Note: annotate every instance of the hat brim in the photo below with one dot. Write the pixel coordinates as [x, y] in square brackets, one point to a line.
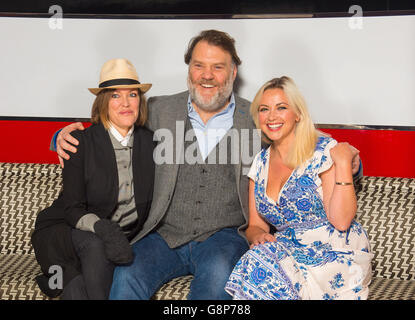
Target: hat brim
[144, 87]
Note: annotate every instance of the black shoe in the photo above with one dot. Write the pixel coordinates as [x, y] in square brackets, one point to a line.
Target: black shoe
[43, 283]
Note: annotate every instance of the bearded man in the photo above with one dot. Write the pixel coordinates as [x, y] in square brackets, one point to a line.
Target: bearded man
[199, 210]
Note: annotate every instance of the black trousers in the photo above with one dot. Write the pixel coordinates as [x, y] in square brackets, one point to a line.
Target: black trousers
[94, 283]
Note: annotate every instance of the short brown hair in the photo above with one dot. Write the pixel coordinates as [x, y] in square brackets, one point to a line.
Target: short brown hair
[216, 38]
[99, 113]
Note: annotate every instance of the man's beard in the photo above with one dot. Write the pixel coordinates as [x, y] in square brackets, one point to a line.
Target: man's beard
[215, 102]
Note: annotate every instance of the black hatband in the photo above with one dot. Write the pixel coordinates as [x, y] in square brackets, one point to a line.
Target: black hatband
[117, 82]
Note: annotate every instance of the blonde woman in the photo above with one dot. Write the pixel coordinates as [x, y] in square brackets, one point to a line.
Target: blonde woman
[302, 186]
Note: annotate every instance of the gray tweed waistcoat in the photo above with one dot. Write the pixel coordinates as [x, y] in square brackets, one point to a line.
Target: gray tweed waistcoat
[205, 199]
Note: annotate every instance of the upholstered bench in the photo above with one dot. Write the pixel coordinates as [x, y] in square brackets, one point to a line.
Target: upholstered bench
[386, 209]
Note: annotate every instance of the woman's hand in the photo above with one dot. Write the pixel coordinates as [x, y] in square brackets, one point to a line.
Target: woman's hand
[261, 238]
[116, 246]
[343, 154]
[258, 230]
[339, 196]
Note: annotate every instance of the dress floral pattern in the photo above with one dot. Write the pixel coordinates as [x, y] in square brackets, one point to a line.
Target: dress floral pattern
[310, 259]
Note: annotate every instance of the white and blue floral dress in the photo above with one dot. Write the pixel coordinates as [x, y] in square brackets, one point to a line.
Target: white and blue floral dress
[310, 259]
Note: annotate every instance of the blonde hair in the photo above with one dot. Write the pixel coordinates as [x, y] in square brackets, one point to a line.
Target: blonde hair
[99, 112]
[306, 134]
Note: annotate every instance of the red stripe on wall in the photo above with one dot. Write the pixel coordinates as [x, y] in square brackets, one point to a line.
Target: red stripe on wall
[386, 153]
[28, 141]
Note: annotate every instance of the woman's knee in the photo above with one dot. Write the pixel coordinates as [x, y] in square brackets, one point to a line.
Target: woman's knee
[88, 245]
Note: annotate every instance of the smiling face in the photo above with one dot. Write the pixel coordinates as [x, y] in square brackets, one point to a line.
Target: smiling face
[123, 108]
[276, 117]
[211, 76]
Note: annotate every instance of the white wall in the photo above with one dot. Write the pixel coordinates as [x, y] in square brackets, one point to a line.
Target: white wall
[348, 76]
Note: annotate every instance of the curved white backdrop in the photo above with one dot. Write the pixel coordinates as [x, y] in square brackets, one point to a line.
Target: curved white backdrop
[348, 76]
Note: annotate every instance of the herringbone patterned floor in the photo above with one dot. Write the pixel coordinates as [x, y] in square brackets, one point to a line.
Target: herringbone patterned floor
[386, 210]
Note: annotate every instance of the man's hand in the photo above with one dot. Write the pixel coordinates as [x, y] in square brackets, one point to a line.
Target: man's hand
[355, 160]
[64, 137]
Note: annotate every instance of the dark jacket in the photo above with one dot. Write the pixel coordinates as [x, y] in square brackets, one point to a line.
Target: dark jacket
[90, 185]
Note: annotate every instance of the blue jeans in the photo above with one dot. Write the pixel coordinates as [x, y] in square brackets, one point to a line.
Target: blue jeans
[210, 261]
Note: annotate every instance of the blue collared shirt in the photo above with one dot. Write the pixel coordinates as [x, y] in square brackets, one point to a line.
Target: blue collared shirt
[209, 135]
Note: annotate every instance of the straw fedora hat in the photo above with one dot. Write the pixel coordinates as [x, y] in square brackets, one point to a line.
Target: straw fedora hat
[119, 74]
